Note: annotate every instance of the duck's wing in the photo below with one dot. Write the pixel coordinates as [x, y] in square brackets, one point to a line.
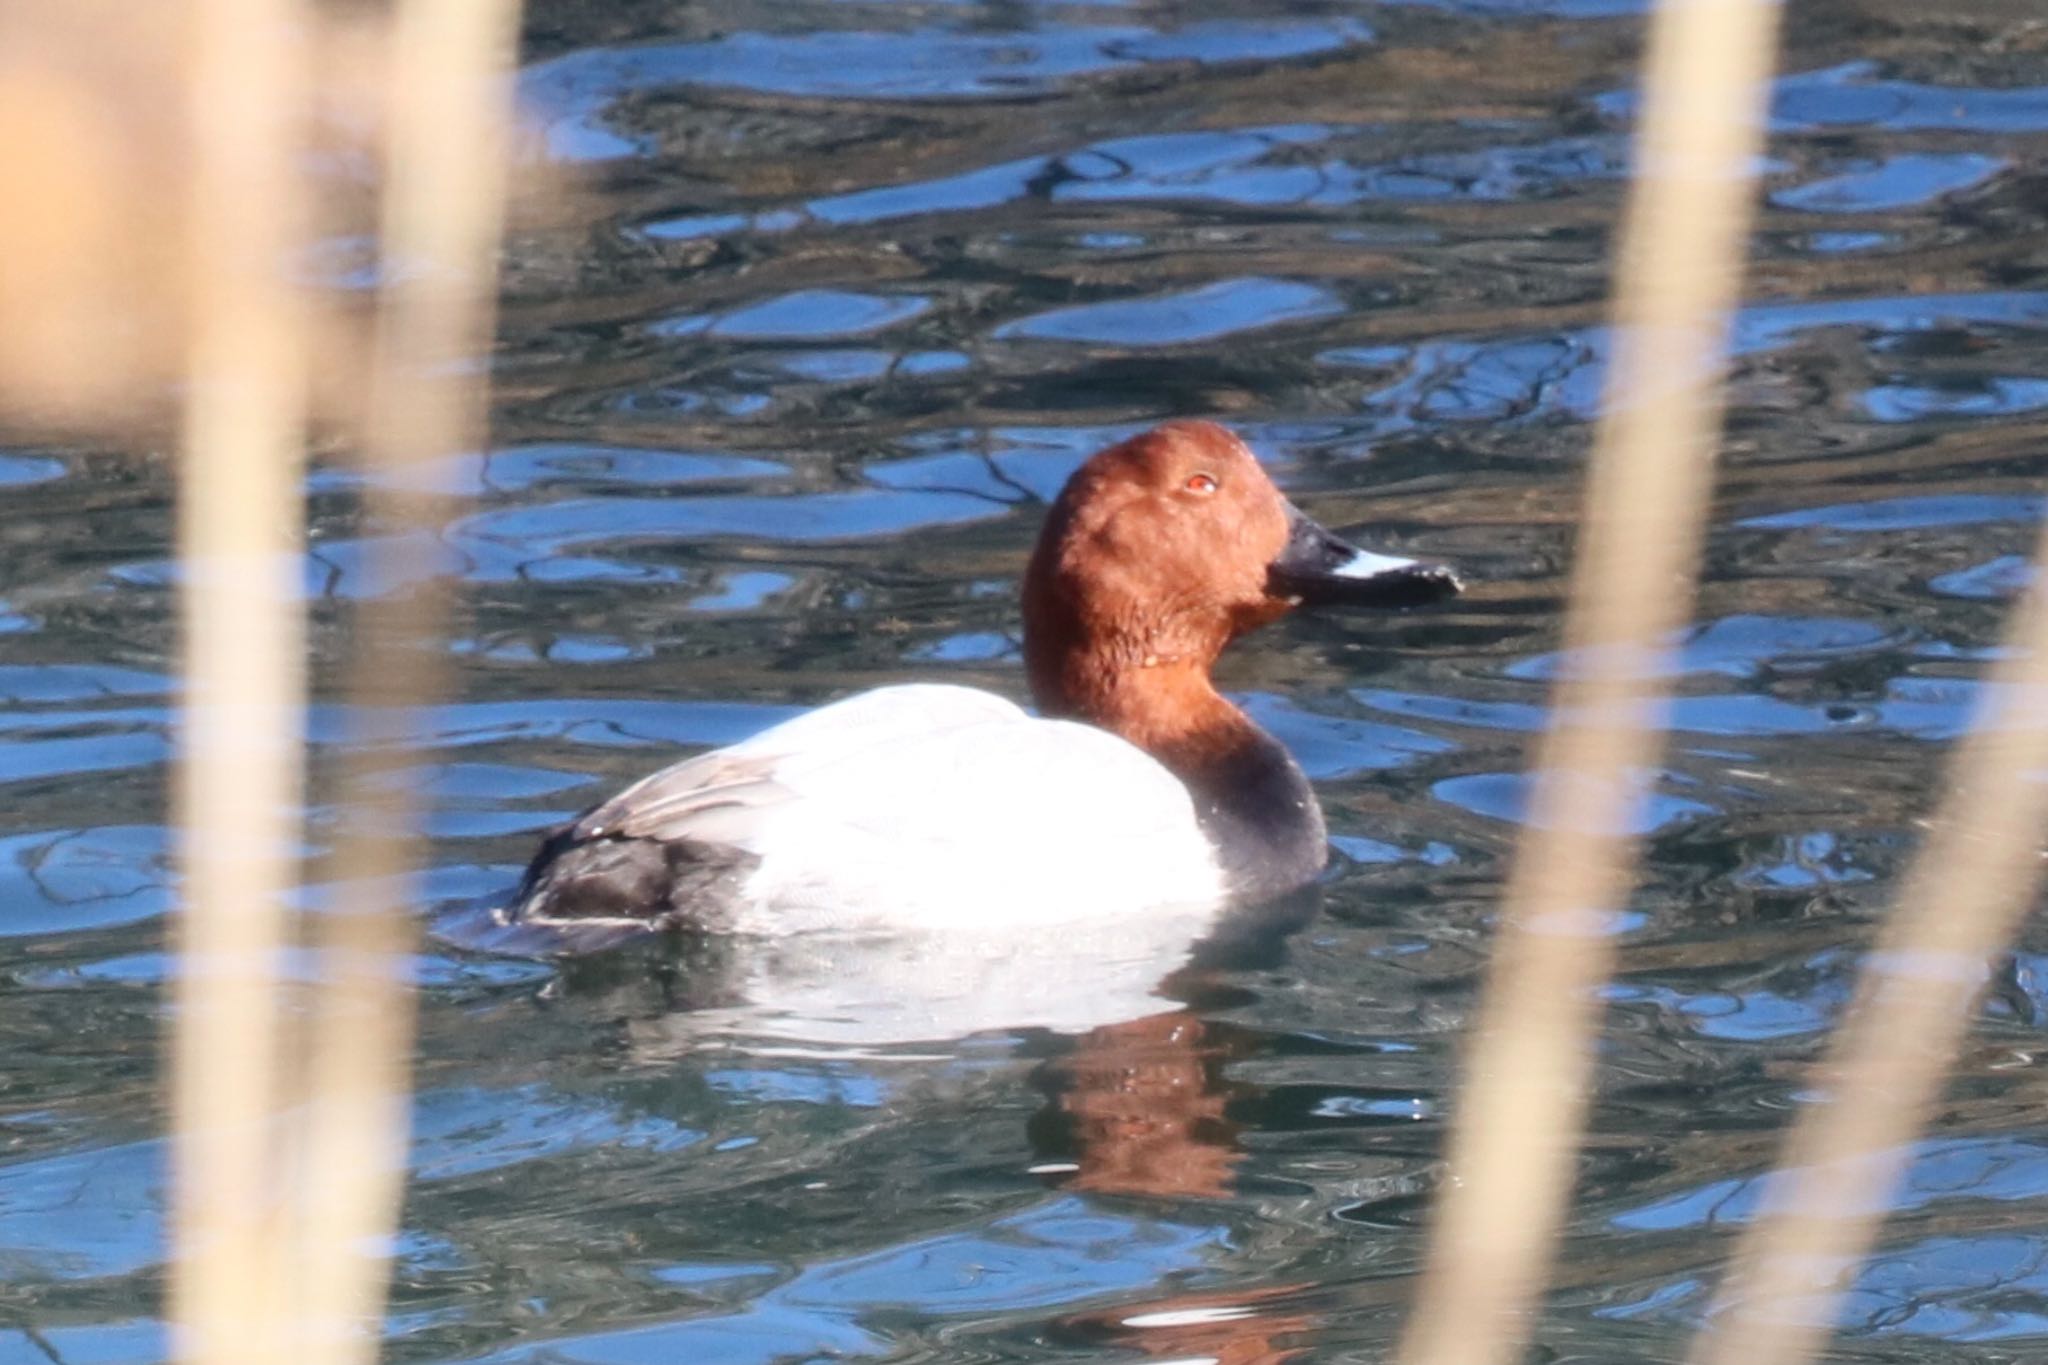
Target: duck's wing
[671, 805]
[705, 799]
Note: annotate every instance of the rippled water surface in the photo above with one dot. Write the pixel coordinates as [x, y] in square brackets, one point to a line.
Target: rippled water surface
[846, 292]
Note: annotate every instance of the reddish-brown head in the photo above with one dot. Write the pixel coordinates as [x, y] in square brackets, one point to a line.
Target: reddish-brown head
[1158, 552]
[1155, 553]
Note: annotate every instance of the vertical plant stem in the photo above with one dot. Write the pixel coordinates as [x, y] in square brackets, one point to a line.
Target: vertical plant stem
[445, 160]
[1528, 1068]
[239, 771]
[1960, 902]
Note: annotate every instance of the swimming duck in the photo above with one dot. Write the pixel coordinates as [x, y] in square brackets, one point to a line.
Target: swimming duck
[1137, 788]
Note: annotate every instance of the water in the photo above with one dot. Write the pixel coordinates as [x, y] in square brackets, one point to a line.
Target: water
[847, 292]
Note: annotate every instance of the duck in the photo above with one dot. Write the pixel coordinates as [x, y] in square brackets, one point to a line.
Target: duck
[1137, 788]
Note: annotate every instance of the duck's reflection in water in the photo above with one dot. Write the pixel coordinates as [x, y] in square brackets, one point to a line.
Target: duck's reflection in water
[847, 994]
[1124, 1040]
[1250, 1327]
[1141, 1107]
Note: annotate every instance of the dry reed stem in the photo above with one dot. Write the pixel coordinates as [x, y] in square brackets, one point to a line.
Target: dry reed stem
[1528, 1070]
[239, 772]
[1961, 901]
[447, 119]
[94, 306]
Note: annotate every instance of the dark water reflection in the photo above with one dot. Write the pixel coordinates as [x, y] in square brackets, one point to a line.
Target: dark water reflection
[849, 293]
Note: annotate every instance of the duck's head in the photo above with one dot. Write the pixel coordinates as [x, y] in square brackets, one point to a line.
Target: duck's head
[1163, 548]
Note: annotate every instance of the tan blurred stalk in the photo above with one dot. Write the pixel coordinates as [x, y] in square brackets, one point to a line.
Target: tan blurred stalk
[1960, 902]
[446, 139]
[288, 1124]
[1515, 1137]
[94, 307]
[239, 771]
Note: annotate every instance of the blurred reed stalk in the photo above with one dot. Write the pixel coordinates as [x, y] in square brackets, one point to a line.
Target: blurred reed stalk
[282, 1222]
[1528, 1070]
[446, 139]
[239, 774]
[1960, 902]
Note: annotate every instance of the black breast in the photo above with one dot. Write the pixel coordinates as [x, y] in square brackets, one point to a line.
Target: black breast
[1257, 807]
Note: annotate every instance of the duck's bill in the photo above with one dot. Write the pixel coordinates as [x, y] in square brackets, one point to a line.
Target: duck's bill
[1319, 569]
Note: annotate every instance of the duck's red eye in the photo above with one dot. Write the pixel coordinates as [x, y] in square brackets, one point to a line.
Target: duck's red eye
[1200, 483]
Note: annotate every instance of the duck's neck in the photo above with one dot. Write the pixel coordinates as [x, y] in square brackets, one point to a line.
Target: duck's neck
[1253, 800]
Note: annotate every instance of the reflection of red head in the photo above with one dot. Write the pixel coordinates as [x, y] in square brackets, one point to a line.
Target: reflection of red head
[1146, 1103]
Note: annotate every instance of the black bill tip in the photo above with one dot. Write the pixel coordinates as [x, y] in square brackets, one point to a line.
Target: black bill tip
[1320, 569]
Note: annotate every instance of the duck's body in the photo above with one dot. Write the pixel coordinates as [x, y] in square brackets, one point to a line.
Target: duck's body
[927, 807]
[904, 807]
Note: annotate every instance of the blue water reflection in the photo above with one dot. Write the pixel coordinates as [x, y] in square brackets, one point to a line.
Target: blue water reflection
[1973, 397]
[1848, 96]
[1894, 183]
[1207, 314]
[62, 881]
[1525, 377]
[1907, 513]
[19, 470]
[572, 92]
[804, 315]
[1060, 1253]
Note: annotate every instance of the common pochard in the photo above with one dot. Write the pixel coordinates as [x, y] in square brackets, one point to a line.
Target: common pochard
[928, 806]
